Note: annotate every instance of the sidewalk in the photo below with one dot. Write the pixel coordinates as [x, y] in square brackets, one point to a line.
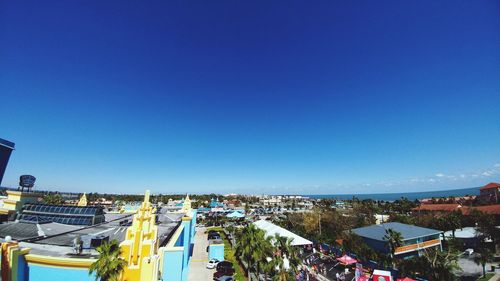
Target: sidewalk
[198, 264]
[495, 277]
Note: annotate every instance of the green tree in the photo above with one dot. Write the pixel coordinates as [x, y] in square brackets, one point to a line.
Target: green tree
[263, 250]
[487, 227]
[285, 250]
[53, 199]
[231, 229]
[394, 240]
[109, 265]
[438, 265]
[454, 221]
[483, 256]
[433, 265]
[247, 243]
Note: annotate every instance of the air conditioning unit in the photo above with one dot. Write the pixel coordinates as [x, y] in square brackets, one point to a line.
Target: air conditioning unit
[98, 240]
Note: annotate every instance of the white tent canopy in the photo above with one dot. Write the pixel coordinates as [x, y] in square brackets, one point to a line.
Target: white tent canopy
[235, 214]
[271, 229]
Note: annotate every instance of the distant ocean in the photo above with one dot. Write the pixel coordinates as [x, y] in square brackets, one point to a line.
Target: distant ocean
[396, 196]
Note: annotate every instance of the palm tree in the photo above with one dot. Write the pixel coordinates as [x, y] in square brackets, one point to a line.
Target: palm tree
[247, 243]
[268, 267]
[285, 250]
[230, 229]
[438, 265]
[109, 265]
[394, 240]
[263, 250]
[454, 221]
[484, 255]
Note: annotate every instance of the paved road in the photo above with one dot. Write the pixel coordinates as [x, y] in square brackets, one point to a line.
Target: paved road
[198, 265]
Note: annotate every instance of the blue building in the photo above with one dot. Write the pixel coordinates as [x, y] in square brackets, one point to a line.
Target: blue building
[6, 148]
[156, 246]
[415, 238]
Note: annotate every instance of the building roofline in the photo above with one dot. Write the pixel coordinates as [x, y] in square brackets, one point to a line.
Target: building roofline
[7, 143]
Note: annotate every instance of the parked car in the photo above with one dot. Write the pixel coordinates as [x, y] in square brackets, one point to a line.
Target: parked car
[225, 278]
[213, 235]
[212, 263]
[220, 274]
[225, 266]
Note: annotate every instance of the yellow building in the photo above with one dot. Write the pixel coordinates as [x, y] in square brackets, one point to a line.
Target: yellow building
[153, 250]
[83, 201]
[141, 245]
[15, 201]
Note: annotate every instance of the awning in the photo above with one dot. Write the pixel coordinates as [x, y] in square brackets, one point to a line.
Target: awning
[235, 215]
[271, 229]
[346, 260]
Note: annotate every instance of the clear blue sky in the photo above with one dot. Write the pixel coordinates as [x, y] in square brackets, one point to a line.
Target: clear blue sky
[251, 96]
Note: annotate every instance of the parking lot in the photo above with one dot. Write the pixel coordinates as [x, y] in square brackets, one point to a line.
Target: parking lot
[198, 265]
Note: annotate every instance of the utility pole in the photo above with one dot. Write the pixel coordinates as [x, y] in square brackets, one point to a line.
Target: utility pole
[319, 223]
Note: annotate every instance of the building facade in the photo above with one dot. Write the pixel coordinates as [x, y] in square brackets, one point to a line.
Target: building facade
[490, 193]
[6, 148]
[152, 250]
[415, 238]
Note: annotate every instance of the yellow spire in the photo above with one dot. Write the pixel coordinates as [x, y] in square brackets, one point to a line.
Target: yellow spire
[146, 197]
[186, 206]
[140, 244]
[83, 201]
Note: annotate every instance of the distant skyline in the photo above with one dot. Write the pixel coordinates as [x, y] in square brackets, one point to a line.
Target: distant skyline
[281, 97]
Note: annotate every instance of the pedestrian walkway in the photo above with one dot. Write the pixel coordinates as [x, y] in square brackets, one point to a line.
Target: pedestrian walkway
[495, 277]
[198, 264]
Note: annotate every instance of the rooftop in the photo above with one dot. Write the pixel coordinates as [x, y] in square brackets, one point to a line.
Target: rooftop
[438, 207]
[489, 209]
[377, 231]
[55, 239]
[490, 185]
[271, 229]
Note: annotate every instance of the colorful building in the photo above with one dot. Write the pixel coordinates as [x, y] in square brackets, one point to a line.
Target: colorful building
[15, 202]
[415, 238]
[154, 249]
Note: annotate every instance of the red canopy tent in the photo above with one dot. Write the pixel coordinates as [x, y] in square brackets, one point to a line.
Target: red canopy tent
[346, 260]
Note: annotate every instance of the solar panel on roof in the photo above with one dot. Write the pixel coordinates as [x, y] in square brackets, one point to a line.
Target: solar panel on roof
[63, 214]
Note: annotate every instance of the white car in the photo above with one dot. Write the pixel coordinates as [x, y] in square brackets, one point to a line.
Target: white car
[212, 263]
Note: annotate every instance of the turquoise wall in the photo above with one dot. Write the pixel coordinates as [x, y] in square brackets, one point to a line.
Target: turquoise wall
[216, 252]
[187, 249]
[176, 262]
[193, 224]
[45, 273]
[172, 266]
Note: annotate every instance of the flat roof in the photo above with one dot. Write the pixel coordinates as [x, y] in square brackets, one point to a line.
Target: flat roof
[408, 231]
[56, 240]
